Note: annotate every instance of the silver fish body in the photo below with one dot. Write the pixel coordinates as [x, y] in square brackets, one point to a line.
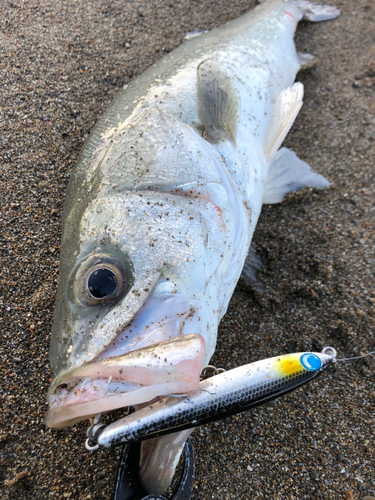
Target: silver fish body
[159, 217]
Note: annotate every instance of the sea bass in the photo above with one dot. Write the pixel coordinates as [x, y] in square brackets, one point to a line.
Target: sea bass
[159, 217]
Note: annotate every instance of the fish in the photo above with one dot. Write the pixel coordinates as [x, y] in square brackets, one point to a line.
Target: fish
[220, 396]
[159, 217]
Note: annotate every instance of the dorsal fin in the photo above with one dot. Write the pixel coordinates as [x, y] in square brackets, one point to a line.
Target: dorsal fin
[219, 101]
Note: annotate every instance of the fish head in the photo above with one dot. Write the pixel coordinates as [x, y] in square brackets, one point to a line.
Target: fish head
[138, 301]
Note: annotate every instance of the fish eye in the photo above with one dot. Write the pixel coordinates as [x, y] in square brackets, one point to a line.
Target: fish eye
[101, 279]
[102, 283]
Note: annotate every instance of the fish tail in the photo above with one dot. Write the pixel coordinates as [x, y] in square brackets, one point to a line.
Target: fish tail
[312, 11]
[315, 11]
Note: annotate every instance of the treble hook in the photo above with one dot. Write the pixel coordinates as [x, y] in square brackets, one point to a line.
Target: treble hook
[92, 432]
[215, 370]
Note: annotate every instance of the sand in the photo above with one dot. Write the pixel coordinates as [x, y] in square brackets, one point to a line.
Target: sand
[61, 63]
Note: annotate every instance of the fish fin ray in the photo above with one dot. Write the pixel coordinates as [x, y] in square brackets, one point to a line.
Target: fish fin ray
[285, 112]
[288, 173]
[219, 101]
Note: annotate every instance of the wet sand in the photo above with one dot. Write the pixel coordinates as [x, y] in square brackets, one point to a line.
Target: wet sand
[61, 63]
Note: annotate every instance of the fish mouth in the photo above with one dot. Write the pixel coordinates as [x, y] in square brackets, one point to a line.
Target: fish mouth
[167, 368]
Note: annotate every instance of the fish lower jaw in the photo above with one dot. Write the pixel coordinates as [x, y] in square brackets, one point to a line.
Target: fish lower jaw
[88, 398]
[163, 369]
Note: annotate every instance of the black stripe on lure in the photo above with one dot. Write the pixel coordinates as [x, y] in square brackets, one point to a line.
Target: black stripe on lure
[217, 397]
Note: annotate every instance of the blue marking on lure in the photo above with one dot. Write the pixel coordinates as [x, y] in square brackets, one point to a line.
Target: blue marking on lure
[310, 361]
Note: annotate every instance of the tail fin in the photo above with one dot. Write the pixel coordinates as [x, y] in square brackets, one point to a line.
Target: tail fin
[315, 11]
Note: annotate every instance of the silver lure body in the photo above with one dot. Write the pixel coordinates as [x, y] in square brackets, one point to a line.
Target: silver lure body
[225, 394]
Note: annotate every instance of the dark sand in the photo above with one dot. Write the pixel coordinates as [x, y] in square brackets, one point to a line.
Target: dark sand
[61, 62]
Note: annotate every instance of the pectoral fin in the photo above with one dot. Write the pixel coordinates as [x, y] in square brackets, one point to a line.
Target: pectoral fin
[288, 173]
[285, 111]
[219, 101]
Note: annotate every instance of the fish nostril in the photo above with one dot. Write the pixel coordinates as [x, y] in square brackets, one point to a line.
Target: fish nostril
[102, 283]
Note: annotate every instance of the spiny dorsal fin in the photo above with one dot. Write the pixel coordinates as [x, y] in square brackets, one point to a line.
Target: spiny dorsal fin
[285, 111]
[219, 101]
[288, 173]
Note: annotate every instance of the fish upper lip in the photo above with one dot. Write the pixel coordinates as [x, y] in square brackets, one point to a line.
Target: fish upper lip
[157, 357]
[161, 369]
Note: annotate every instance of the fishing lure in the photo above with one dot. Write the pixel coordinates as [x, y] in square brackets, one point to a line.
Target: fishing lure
[217, 397]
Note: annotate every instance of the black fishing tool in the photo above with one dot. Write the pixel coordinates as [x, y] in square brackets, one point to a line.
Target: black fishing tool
[128, 486]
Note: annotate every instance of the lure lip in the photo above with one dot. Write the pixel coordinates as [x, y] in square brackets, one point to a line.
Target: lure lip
[138, 426]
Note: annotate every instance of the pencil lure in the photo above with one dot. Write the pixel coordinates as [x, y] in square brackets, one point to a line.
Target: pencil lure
[220, 396]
